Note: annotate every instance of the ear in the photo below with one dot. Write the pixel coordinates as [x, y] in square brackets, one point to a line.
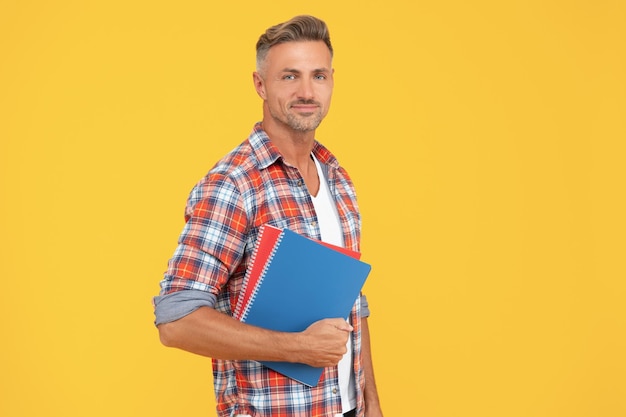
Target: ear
[259, 85]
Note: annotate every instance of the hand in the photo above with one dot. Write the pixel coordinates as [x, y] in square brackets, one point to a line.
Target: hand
[324, 342]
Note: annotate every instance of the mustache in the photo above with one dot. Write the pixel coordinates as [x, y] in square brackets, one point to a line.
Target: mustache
[306, 102]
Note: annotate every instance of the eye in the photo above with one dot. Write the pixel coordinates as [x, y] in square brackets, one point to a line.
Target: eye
[320, 77]
[289, 77]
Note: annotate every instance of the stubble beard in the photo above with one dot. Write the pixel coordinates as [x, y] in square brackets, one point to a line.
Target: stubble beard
[304, 123]
[300, 122]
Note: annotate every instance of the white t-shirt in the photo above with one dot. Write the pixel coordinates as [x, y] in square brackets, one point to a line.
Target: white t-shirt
[330, 229]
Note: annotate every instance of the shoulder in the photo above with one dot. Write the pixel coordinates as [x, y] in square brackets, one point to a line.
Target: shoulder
[229, 176]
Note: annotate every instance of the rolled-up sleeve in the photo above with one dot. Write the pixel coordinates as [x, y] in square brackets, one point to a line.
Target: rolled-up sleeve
[365, 308]
[174, 306]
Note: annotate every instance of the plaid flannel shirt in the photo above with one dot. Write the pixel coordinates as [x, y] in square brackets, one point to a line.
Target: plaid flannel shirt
[249, 187]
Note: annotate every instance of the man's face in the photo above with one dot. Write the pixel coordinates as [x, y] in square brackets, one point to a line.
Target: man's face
[296, 82]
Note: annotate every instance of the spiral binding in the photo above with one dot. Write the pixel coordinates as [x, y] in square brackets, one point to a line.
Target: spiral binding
[259, 282]
[246, 278]
[265, 245]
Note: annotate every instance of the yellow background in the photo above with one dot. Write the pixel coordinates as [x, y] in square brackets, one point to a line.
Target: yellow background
[486, 140]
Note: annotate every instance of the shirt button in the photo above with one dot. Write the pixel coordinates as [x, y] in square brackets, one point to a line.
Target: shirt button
[334, 390]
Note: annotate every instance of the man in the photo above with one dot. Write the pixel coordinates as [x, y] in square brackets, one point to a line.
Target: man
[282, 176]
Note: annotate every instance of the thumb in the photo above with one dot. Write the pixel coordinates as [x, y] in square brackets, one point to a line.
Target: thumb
[344, 325]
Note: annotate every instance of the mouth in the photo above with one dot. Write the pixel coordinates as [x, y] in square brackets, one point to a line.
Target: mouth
[305, 110]
[305, 107]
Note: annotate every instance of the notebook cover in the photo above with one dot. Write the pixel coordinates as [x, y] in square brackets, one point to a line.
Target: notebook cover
[301, 281]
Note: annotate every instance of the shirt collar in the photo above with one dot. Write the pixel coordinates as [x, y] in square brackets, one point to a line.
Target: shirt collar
[267, 154]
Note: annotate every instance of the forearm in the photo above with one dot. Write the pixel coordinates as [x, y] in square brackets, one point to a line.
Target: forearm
[214, 334]
[372, 402]
[208, 332]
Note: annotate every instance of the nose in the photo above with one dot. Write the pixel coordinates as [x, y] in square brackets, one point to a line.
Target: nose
[305, 90]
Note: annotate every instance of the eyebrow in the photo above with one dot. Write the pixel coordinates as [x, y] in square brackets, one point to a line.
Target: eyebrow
[295, 71]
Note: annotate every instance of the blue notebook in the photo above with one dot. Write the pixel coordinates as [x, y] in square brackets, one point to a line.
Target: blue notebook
[294, 281]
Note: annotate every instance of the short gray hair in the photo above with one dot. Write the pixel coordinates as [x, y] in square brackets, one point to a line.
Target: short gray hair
[299, 28]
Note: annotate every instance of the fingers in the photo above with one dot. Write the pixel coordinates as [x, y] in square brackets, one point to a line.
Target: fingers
[339, 324]
[326, 342]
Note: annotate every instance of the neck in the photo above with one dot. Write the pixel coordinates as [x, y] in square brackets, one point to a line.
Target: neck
[294, 146]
